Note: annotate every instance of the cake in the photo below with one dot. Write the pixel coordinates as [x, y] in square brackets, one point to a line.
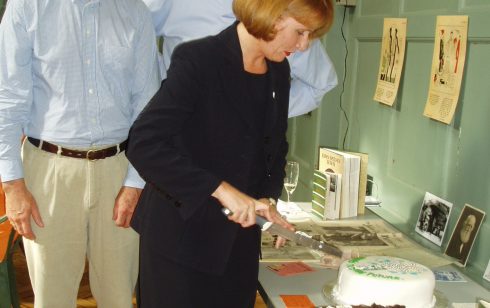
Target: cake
[385, 281]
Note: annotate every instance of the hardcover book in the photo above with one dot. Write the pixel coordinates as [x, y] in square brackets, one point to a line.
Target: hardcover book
[326, 195]
[362, 181]
[347, 165]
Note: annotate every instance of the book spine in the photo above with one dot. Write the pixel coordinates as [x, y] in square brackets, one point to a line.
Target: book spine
[319, 194]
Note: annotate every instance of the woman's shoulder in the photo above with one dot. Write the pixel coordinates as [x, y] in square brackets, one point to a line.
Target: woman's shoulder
[202, 48]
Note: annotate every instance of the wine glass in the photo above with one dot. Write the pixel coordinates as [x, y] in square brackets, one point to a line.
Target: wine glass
[291, 177]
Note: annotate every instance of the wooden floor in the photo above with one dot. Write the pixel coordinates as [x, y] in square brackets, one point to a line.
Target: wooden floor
[85, 299]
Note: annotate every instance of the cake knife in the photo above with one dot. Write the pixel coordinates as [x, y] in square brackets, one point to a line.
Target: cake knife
[300, 238]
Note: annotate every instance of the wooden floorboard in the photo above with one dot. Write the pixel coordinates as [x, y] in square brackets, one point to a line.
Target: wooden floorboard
[85, 299]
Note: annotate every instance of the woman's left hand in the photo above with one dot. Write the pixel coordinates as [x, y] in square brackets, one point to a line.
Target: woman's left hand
[272, 215]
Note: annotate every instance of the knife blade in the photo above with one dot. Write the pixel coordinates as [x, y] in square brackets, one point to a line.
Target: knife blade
[299, 238]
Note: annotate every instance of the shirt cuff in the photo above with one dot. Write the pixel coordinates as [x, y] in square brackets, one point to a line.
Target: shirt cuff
[11, 170]
[133, 179]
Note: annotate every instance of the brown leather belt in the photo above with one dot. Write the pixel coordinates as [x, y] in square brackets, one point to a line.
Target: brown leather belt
[90, 154]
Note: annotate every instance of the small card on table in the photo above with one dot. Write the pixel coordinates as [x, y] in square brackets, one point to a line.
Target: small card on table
[449, 276]
[297, 301]
[290, 268]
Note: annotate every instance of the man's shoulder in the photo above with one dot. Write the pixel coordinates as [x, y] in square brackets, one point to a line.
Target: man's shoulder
[136, 7]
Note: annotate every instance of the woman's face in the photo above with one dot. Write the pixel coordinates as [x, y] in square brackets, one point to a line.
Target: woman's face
[291, 36]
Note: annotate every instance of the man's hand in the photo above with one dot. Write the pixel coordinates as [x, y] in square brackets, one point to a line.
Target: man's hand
[272, 215]
[20, 207]
[241, 205]
[125, 204]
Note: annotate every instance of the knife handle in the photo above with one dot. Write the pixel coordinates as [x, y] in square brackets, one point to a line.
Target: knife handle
[259, 220]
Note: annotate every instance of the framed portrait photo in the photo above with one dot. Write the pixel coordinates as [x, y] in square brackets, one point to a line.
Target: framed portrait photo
[486, 275]
[464, 234]
[433, 218]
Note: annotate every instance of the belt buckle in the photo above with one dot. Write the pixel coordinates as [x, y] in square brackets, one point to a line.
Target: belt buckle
[89, 155]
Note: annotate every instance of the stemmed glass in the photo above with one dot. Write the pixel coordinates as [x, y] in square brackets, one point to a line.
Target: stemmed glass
[291, 177]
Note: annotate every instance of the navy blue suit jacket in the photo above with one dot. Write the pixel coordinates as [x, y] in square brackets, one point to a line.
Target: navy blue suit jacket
[194, 134]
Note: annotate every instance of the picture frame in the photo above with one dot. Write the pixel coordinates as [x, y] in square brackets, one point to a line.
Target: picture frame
[433, 218]
[486, 275]
[464, 234]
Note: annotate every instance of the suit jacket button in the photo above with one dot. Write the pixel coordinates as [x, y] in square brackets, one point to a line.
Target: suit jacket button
[269, 175]
[169, 197]
[178, 204]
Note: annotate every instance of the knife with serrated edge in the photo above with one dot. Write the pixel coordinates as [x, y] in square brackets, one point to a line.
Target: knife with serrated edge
[299, 238]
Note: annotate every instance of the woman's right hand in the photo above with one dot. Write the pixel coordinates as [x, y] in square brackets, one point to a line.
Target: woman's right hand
[242, 206]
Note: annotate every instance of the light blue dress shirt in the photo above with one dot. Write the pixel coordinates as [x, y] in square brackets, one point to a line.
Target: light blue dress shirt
[312, 71]
[75, 73]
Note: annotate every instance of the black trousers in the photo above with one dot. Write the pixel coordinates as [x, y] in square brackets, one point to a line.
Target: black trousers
[166, 283]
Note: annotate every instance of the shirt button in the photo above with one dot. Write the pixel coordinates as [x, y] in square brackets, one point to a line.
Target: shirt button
[87, 32]
[93, 121]
[91, 91]
[88, 61]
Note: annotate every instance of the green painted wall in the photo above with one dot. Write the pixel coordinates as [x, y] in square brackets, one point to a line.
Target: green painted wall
[409, 154]
[2, 8]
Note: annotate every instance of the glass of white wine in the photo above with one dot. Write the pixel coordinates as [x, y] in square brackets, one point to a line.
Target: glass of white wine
[291, 177]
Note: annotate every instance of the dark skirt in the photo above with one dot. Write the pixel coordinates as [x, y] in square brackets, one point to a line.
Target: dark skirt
[166, 283]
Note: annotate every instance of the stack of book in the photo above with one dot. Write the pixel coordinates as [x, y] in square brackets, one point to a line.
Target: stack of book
[347, 171]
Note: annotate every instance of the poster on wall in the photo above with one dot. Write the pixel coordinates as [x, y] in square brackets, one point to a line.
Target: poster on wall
[391, 60]
[464, 234]
[447, 67]
[433, 218]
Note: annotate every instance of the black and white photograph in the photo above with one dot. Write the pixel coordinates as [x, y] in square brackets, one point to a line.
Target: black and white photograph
[350, 236]
[291, 250]
[433, 218]
[464, 234]
[486, 275]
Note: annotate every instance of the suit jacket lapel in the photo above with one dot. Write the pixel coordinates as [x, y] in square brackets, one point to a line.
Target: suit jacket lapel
[271, 108]
[232, 75]
[234, 84]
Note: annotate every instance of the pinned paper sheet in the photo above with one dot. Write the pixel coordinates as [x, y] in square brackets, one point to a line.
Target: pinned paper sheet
[297, 301]
[447, 67]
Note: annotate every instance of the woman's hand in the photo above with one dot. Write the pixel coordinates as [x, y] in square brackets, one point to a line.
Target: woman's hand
[272, 215]
[242, 206]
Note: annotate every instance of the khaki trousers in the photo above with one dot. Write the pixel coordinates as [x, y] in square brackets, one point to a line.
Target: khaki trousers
[76, 199]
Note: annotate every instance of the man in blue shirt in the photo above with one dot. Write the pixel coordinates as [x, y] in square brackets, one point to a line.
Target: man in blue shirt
[312, 71]
[74, 75]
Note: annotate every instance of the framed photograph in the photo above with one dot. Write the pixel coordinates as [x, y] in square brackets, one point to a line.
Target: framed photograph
[486, 275]
[464, 234]
[433, 218]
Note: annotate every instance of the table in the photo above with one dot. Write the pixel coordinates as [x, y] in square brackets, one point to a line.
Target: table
[272, 286]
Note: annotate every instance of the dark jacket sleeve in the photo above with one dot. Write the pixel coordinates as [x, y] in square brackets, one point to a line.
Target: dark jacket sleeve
[154, 147]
